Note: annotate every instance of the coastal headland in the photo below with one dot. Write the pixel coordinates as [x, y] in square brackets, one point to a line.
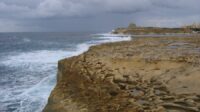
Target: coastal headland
[146, 74]
[133, 29]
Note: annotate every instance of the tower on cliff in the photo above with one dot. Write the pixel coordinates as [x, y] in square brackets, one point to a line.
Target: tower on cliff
[132, 25]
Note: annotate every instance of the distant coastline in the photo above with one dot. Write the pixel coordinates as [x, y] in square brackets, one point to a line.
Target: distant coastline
[145, 74]
[133, 29]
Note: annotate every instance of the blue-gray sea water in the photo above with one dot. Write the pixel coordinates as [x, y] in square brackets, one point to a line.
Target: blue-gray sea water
[28, 65]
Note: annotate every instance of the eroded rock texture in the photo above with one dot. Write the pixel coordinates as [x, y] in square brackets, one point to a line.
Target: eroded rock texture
[142, 75]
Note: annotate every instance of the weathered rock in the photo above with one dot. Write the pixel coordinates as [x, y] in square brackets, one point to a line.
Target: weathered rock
[152, 79]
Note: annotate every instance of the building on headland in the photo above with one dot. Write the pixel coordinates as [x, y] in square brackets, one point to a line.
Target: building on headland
[139, 30]
[195, 27]
[132, 25]
[133, 29]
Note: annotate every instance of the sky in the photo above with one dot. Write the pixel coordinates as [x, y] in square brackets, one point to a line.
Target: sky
[94, 15]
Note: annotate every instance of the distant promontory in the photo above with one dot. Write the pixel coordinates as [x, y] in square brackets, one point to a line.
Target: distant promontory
[145, 74]
[139, 30]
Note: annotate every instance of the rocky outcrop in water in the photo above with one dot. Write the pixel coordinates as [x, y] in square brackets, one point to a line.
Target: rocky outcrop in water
[142, 75]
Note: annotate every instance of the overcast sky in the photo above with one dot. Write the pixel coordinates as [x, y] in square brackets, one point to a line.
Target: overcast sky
[99, 15]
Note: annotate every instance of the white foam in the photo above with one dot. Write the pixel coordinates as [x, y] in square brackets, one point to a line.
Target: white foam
[38, 94]
[41, 57]
[26, 40]
[107, 37]
[44, 61]
[111, 35]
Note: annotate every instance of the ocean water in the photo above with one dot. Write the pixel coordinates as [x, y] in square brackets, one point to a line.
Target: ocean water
[28, 65]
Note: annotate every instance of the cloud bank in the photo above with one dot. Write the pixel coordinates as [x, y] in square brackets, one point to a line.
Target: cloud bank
[68, 15]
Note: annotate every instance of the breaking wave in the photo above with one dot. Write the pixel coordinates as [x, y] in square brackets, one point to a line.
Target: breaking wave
[36, 74]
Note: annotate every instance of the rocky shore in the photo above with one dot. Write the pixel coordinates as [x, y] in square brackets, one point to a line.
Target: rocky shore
[147, 74]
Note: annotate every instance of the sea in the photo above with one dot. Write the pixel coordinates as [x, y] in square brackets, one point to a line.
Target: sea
[28, 64]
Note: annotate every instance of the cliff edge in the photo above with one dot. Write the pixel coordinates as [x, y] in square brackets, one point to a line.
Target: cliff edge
[142, 75]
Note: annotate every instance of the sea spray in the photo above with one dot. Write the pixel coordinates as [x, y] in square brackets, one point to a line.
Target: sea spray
[35, 74]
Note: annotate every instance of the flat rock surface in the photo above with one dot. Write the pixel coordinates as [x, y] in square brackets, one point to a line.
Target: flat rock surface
[143, 75]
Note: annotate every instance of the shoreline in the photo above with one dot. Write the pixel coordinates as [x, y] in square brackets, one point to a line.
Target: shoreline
[135, 73]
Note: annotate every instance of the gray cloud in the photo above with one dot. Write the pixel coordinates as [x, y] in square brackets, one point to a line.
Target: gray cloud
[68, 15]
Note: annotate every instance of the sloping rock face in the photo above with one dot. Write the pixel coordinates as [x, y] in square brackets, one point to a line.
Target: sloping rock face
[142, 75]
